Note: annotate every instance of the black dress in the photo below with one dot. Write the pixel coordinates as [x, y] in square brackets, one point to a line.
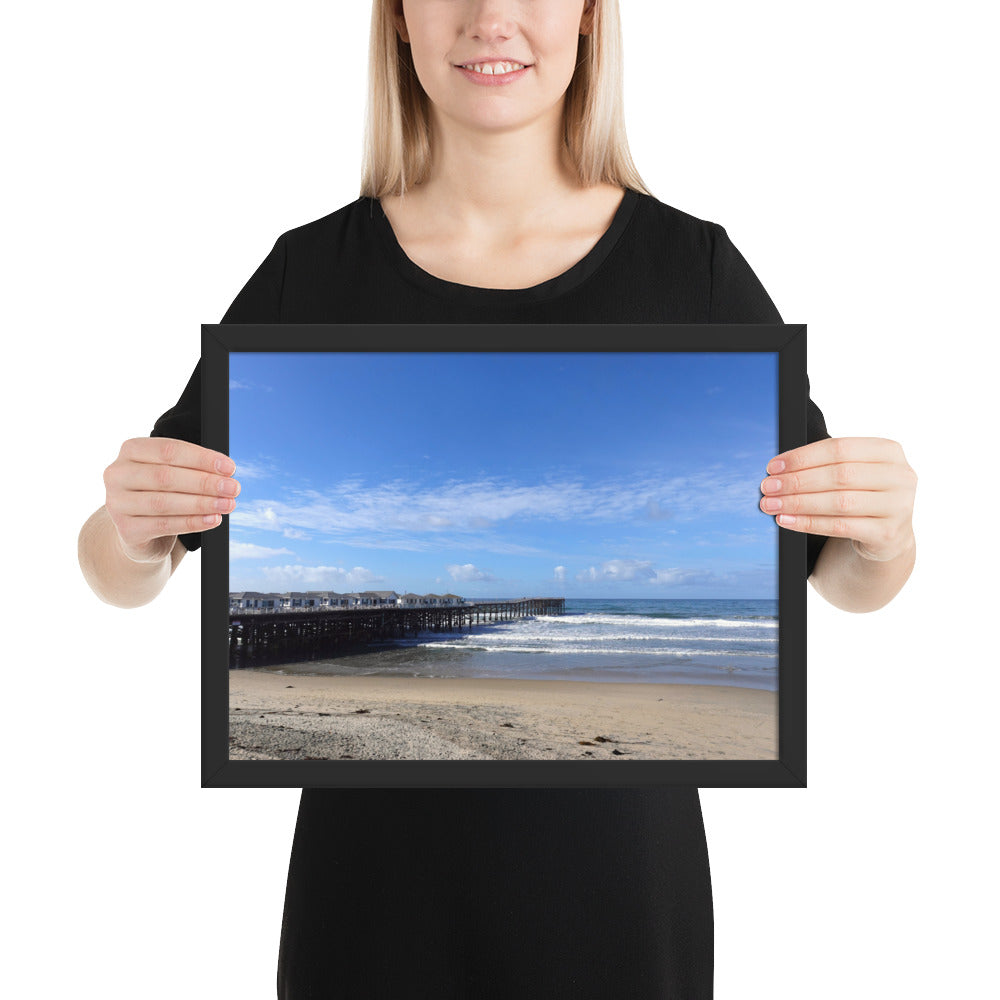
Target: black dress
[449, 893]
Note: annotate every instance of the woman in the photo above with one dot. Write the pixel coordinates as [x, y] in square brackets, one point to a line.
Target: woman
[503, 196]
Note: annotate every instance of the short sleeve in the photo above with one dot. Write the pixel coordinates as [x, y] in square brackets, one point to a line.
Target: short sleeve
[737, 296]
[259, 301]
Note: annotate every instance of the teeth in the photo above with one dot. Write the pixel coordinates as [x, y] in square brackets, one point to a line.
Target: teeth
[495, 69]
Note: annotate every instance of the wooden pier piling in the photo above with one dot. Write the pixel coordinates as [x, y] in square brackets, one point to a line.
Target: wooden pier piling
[259, 638]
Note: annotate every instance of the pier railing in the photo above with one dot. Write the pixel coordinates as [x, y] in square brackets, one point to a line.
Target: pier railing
[258, 637]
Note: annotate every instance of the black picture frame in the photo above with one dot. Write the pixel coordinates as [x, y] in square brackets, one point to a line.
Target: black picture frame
[786, 341]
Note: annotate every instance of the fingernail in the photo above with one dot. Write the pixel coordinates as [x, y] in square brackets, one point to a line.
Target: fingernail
[772, 503]
[225, 466]
[786, 519]
[771, 485]
[775, 465]
[211, 519]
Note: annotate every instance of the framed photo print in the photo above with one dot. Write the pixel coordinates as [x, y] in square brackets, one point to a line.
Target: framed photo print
[474, 555]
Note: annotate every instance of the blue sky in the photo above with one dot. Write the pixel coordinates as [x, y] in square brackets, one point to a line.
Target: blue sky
[504, 475]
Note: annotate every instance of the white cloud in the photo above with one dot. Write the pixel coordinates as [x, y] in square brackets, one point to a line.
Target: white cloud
[685, 577]
[404, 543]
[281, 578]
[627, 569]
[619, 569]
[235, 383]
[247, 550]
[560, 573]
[465, 509]
[253, 470]
[469, 573]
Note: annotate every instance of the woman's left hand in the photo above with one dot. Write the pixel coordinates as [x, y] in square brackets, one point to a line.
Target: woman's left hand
[852, 487]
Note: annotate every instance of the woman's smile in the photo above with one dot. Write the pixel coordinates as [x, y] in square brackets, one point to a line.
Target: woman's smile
[494, 74]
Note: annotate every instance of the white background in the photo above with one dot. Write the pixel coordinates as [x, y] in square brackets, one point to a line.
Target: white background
[155, 152]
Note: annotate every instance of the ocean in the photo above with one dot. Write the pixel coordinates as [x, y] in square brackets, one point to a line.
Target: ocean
[732, 642]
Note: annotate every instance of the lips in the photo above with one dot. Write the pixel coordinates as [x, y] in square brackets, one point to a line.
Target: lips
[490, 80]
[492, 59]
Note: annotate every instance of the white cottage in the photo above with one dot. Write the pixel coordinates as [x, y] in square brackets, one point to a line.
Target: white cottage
[379, 598]
[247, 600]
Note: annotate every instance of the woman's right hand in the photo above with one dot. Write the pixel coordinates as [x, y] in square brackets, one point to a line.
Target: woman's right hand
[158, 488]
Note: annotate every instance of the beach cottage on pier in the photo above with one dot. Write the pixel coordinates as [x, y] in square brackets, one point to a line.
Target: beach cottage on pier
[295, 600]
[247, 599]
[382, 598]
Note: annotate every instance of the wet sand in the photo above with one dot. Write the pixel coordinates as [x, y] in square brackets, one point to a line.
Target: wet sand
[298, 717]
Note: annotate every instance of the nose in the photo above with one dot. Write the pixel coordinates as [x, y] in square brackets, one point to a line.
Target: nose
[491, 19]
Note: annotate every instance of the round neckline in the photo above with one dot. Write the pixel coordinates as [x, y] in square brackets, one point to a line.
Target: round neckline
[559, 285]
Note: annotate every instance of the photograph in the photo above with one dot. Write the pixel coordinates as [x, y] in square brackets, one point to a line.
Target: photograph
[519, 555]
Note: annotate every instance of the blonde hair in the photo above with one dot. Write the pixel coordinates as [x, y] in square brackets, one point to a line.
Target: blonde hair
[397, 140]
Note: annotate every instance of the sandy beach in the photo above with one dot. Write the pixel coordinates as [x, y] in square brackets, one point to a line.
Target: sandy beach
[298, 717]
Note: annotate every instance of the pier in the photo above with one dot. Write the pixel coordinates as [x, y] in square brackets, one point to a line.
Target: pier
[258, 638]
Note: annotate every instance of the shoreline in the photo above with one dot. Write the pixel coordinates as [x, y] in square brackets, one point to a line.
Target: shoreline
[304, 716]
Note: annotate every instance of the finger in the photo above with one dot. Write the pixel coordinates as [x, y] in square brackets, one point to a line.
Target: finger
[173, 451]
[843, 476]
[832, 451]
[154, 503]
[866, 530]
[136, 531]
[874, 538]
[142, 477]
[842, 503]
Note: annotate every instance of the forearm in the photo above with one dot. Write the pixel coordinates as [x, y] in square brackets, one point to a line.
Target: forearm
[113, 576]
[852, 583]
